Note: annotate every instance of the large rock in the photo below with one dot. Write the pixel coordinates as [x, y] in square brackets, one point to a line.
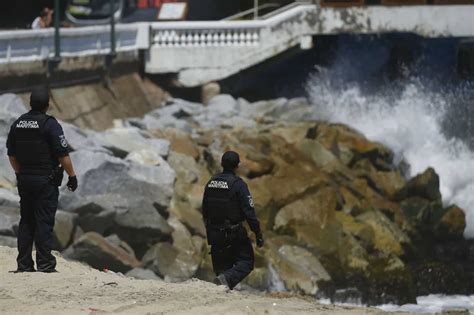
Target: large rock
[452, 223]
[127, 139]
[101, 254]
[7, 175]
[297, 268]
[8, 198]
[178, 261]
[424, 185]
[83, 139]
[8, 241]
[180, 141]
[312, 220]
[152, 183]
[64, 229]
[11, 107]
[9, 220]
[141, 225]
[388, 238]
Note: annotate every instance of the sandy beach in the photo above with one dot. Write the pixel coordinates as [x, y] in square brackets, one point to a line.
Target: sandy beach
[78, 289]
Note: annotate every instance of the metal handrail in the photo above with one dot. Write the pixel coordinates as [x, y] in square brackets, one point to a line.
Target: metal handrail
[251, 11]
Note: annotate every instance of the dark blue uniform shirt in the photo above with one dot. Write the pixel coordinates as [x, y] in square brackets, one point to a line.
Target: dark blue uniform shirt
[241, 190]
[55, 137]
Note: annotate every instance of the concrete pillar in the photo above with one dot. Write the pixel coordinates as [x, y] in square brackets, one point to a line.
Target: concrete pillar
[208, 91]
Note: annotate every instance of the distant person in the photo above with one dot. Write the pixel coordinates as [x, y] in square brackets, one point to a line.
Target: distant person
[227, 202]
[44, 20]
[39, 154]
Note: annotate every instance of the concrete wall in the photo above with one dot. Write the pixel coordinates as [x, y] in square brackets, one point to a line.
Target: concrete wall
[96, 105]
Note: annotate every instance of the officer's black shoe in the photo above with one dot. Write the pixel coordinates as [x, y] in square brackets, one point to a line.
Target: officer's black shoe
[221, 280]
[47, 270]
[24, 270]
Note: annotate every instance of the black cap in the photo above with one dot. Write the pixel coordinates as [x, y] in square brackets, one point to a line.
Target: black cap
[39, 98]
[230, 160]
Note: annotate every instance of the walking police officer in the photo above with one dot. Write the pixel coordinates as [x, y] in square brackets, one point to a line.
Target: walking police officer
[226, 204]
[38, 152]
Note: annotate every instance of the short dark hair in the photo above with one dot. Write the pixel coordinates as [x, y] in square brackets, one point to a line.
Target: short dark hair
[39, 99]
[230, 160]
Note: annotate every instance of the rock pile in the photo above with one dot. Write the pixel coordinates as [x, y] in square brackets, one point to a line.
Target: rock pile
[336, 211]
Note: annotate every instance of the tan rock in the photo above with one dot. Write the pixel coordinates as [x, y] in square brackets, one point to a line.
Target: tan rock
[452, 223]
[352, 254]
[180, 141]
[388, 238]
[101, 253]
[312, 220]
[353, 226]
[424, 185]
[296, 267]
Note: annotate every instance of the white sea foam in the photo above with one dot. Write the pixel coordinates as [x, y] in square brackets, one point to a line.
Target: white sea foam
[410, 123]
[434, 303]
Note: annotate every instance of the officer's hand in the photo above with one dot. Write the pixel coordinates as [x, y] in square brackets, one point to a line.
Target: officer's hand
[260, 241]
[72, 183]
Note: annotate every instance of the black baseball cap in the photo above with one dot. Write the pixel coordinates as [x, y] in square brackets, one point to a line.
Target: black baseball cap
[230, 160]
[39, 98]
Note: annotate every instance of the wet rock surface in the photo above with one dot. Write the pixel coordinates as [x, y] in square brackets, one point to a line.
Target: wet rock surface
[339, 218]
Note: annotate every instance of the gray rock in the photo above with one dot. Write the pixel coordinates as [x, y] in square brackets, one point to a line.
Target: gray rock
[153, 183]
[7, 175]
[64, 228]
[178, 261]
[141, 225]
[9, 220]
[101, 254]
[96, 213]
[128, 139]
[8, 241]
[81, 139]
[11, 107]
[9, 198]
[143, 274]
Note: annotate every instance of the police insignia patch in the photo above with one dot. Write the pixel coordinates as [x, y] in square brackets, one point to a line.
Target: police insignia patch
[63, 141]
[251, 201]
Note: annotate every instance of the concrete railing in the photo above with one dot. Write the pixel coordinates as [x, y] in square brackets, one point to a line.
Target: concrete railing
[204, 51]
[201, 52]
[31, 45]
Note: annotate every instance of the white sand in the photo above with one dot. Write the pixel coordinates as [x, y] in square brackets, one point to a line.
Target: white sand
[78, 289]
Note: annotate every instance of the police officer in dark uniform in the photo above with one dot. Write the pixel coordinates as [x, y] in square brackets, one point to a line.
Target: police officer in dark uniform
[38, 152]
[226, 204]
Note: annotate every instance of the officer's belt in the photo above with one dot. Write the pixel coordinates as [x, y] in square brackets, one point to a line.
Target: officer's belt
[225, 226]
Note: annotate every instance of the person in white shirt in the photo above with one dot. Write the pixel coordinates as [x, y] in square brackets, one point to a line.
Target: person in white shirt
[44, 20]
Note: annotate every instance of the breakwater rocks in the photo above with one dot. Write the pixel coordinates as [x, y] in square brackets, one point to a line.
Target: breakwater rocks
[340, 218]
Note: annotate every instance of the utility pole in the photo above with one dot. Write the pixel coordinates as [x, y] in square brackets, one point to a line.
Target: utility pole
[54, 62]
[113, 53]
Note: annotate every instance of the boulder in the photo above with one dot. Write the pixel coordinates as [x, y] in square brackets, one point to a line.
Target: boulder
[8, 241]
[83, 139]
[64, 229]
[8, 198]
[124, 140]
[297, 268]
[388, 238]
[7, 175]
[12, 107]
[96, 213]
[142, 274]
[352, 254]
[101, 254]
[146, 157]
[141, 225]
[424, 185]
[9, 220]
[356, 228]
[312, 220]
[180, 141]
[178, 261]
[189, 216]
[452, 223]
[152, 183]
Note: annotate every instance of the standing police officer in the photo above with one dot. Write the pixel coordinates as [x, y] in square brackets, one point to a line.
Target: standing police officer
[38, 152]
[226, 204]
